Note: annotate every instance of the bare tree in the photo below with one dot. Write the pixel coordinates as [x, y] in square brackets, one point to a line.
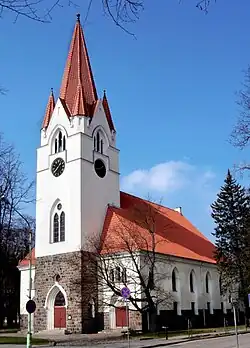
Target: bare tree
[128, 256]
[17, 192]
[121, 11]
[240, 136]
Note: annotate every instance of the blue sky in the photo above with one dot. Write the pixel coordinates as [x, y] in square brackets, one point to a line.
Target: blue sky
[171, 92]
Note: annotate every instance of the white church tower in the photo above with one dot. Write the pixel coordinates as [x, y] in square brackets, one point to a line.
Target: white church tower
[77, 177]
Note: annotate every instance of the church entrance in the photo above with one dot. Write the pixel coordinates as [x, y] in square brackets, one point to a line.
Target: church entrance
[121, 317]
[59, 312]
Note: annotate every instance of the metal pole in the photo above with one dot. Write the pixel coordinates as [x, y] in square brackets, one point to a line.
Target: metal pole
[29, 334]
[235, 326]
[127, 315]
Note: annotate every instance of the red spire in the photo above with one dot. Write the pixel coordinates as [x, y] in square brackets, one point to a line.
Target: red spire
[107, 111]
[49, 109]
[78, 88]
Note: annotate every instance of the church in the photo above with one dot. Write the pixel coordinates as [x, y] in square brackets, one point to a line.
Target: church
[78, 197]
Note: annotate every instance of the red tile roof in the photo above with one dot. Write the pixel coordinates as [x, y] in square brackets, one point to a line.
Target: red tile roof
[25, 261]
[49, 110]
[174, 235]
[78, 92]
[78, 86]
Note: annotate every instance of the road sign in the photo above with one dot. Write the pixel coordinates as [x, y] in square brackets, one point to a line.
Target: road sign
[125, 292]
[31, 306]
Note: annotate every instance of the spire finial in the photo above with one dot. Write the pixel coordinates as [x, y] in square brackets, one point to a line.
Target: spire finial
[78, 17]
[51, 91]
[104, 92]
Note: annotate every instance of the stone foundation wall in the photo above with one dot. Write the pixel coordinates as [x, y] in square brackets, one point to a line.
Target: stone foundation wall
[64, 269]
[106, 320]
[135, 320]
[23, 322]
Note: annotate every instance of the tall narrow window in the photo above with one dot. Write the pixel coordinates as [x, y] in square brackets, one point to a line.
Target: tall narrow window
[60, 141]
[102, 146]
[58, 224]
[56, 229]
[64, 143]
[191, 282]
[94, 143]
[56, 147]
[62, 227]
[207, 283]
[98, 142]
[174, 288]
[118, 274]
[124, 275]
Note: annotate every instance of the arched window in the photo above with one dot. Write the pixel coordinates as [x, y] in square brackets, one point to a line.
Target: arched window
[124, 275]
[118, 274]
[191, 281]
[64, 143]
[56, 145]
[174, 287]
[62, 227]
[207, 281]
[59, 142]
[99, 142]
[58, 224]
[101, 146]
[56, 228]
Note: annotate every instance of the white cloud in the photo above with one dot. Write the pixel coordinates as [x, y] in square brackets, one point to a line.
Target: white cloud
[166, 177]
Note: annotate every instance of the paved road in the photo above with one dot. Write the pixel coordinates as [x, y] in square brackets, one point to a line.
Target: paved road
[223, 342]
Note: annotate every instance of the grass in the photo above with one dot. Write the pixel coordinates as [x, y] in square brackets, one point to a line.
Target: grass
[21, 340]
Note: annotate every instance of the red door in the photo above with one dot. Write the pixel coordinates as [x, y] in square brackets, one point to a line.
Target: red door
[59, 317]
[121, 318]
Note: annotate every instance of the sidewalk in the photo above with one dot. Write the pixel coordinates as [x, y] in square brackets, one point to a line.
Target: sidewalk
[115, 339]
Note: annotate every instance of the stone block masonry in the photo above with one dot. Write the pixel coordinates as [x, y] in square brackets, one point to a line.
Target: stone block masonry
[76, 277]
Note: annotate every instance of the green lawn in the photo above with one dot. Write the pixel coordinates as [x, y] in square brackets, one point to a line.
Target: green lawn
[21, 340]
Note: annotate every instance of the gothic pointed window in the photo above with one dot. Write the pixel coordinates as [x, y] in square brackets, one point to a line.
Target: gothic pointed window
[94, 143]
[62, 227]
[174, 282]
[56, 148]
[64, 143]
[58, 224]
[207, 283]
[60, 141]
[98, 142]
[101, 145]
[191, 281]
[56, 229]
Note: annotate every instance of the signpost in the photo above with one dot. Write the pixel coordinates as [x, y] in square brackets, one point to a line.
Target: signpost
[31, 306]
[125, 292]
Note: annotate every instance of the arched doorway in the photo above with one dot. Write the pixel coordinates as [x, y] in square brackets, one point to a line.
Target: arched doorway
[59, 312]
[56, 304]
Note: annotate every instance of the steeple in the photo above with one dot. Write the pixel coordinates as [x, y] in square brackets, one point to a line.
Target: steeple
[49, 109]
[78, 87]
[107, 111]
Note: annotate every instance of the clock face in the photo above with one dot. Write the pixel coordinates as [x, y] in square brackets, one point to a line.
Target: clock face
[100, 168]
[58, 166]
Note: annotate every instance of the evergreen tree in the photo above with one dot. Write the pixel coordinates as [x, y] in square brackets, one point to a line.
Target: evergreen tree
[231, 214]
